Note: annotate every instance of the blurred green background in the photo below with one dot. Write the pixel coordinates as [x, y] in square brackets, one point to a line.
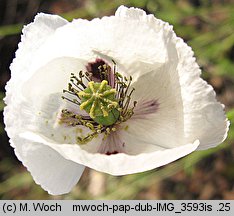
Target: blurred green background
[208, 27]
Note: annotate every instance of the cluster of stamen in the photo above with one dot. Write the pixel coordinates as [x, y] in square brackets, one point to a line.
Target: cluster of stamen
[106, 102]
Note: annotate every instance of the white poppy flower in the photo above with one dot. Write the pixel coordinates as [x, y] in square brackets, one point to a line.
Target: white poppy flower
[176, 111]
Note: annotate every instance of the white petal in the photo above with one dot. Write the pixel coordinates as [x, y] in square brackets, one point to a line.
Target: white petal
[33, 37]
[49, 169]
[36, 104]
[117, 164]
[204, 117]
[51, 78]
[117, 39]
[130, 13]
[165, 127]
[187, 109]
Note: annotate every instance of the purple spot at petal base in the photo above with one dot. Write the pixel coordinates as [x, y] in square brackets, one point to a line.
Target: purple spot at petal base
[95, 68]
[145, 108]
[110, 153]
[112, 144]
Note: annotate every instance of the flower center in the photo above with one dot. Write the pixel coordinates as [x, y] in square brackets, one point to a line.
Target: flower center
[99, 101]
[105, 101]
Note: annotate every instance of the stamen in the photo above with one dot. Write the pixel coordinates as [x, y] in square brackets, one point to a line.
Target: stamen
[71, 100]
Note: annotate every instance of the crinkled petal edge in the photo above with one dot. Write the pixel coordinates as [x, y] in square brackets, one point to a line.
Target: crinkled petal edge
[117, 164]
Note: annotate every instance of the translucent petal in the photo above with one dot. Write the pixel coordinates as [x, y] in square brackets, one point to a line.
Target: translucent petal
[117, 39]
[187, 107]
[165, 126]
[40, 101]
[34, 36]
[115, 164]
[204, 117]
[49, 169]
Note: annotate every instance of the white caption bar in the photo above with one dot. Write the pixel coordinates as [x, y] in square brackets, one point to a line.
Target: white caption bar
[117, 207]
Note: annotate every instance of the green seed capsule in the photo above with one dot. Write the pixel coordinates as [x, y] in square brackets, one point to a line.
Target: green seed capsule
[99, 101]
